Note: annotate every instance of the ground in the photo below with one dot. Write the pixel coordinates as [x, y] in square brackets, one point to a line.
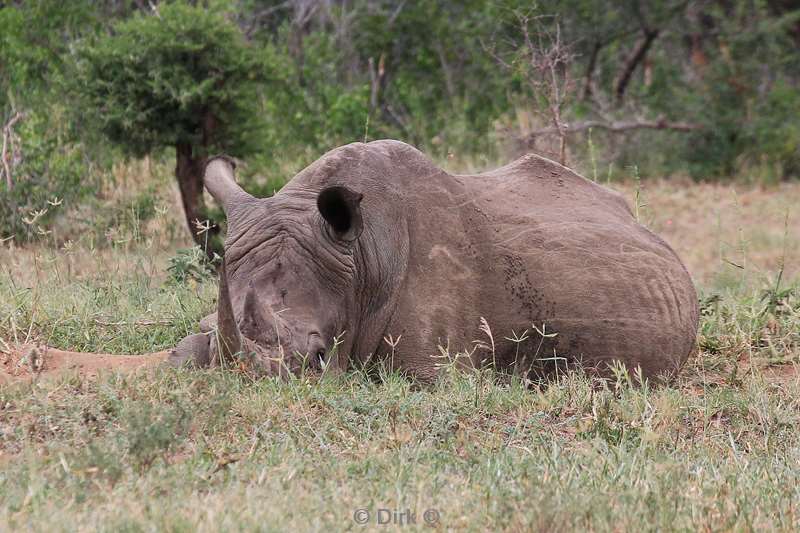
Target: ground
[158, 449]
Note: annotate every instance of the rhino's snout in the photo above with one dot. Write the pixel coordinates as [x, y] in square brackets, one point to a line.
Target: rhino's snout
[262, 338]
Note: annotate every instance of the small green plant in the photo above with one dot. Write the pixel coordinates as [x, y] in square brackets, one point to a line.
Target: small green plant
[191, 264]
[592, 155]
[152, 432]
[638, 202]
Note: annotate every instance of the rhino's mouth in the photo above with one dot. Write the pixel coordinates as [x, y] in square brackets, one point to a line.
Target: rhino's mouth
[257, 360]
[223, 344]
[204, 350]
[272, 361]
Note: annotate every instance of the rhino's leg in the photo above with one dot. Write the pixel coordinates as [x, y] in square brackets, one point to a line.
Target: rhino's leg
[209, 323]
[191, 351]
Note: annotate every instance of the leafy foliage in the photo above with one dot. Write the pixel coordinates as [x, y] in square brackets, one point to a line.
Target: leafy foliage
[181, 75]
[189, 264]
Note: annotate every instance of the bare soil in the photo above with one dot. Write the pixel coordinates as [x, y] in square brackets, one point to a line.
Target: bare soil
[29, 362]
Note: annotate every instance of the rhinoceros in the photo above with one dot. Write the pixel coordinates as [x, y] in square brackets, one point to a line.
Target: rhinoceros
[373, 253]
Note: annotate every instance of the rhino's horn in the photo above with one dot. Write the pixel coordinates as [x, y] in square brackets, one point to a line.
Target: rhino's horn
[253, 313]
[228, 334]
[220, 182]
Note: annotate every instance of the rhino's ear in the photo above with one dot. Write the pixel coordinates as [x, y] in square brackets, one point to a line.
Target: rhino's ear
[341, 209]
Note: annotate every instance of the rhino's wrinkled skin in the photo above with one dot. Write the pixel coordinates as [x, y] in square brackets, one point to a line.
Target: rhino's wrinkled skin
[373, 243]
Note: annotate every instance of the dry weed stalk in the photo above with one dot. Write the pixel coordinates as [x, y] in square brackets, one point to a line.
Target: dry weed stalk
[10, 147]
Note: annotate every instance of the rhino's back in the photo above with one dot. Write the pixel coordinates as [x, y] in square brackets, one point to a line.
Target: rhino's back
[569, 253]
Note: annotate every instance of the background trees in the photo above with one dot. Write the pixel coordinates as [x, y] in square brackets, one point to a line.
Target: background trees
[180, 77]
[705, 88]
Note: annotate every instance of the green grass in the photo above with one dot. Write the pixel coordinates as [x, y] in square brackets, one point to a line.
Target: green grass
[182, 450]
[209, 451]
[178, 450]
[133, 312]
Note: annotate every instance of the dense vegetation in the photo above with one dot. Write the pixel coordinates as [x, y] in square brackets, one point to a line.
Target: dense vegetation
[705, 88]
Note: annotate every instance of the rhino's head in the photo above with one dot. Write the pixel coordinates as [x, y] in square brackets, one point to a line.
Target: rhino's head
[286, 285]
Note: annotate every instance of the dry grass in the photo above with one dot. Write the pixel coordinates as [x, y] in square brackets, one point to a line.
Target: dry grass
[716, 229]
[208, 451]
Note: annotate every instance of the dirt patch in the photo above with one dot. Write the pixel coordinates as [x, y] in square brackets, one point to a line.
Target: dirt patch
[28, 362]
[781, 373]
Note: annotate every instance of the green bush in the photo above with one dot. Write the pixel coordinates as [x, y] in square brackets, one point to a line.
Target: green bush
[158, 80]
[190, 264]
[53, 173]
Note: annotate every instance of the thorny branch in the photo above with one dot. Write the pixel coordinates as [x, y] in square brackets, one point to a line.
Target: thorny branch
[544, 60]
[548, 76]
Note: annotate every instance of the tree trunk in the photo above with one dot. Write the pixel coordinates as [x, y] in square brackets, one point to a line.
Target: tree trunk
[588, 84]
[189, 172]
[634, 58]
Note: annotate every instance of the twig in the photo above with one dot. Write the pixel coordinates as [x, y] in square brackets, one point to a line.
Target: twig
[545, 60]
[163, 322]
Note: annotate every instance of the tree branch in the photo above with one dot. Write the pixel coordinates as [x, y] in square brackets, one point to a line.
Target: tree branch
[618, 126]
[377, 78]
[259, 16]
[588, 85]
[629, 66]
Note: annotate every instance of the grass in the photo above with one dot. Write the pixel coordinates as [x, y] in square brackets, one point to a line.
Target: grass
[209, 451]
[206, 450]
[129, 308]
[716, 228]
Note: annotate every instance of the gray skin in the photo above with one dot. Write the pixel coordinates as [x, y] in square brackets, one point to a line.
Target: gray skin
[399, 261]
